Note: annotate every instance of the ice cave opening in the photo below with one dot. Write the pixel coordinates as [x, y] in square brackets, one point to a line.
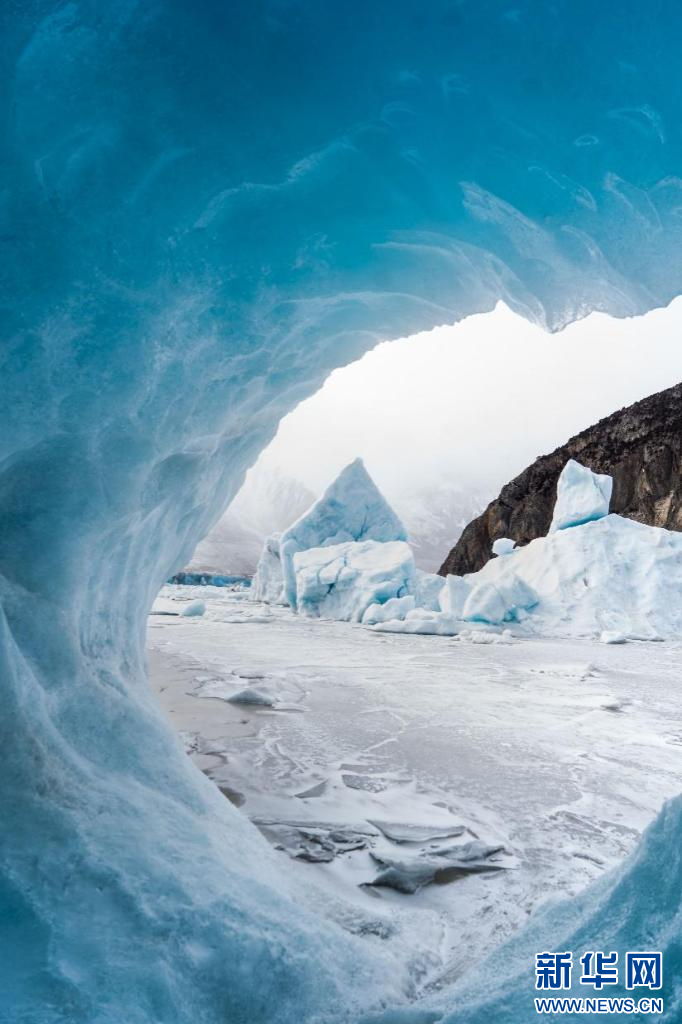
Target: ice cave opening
[598, 365]
[443, 419]
[194, 236]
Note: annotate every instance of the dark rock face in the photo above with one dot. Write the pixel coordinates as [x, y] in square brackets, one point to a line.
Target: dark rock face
[640, 446]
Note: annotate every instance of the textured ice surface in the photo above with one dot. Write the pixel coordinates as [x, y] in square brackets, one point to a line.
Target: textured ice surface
[611, 574]
[192, 237]
[581, 496]
[394, 608]
[429, 589]
[503, 546]
[408, 833]
[421, 621]
[193, 608]
[267, 583]
[342, 581]
[527, 731]
[636, 907]
[351, 509]
[408, 873]
[453, 596]
[496, 601]
[609, 577]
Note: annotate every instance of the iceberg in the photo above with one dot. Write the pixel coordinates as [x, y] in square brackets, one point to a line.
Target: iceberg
[582, 496]
[268, 585]
[177, 275]
[502, 600]
[351, 509]
[610, 577]
[342, 581]
[453, 596]
[394, 608]
[429, 589]
[606, 577]
[193, 609]
[419, 621]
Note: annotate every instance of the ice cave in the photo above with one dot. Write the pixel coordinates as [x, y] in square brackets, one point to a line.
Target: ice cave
[206, 208]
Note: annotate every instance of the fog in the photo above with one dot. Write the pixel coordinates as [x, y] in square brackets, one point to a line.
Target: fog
[473, 404]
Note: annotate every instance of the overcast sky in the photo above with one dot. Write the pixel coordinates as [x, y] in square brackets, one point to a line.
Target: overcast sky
[475, 403]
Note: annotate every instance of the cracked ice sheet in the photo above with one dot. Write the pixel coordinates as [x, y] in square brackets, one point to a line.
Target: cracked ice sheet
[562, 751]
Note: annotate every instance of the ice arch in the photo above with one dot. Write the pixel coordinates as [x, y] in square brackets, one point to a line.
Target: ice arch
[205, 207]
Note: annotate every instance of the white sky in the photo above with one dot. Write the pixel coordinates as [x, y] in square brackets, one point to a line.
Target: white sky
[473, 404]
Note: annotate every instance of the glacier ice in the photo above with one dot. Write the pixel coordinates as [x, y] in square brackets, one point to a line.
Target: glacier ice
[608, 575]
[634, 907]
[333, 570]
[394, 608]
[351, 509]
[500, 600]
[344, 557]
[342, 581]
[453, 596]
[608, 578]
[193, 237]
[429, 589]
[420, 621]
[581, 496]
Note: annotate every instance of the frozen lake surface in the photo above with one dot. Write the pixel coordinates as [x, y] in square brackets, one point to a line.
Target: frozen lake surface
[429, 792]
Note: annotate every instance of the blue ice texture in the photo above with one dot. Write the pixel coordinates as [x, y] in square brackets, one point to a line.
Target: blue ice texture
[582, 496]
[205, 209]
[351, 509]
[342, 581]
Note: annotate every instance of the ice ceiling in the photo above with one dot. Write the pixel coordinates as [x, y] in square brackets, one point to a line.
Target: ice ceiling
[206, 207]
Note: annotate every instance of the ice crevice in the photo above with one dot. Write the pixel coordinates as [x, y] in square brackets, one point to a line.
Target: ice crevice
[203, 214]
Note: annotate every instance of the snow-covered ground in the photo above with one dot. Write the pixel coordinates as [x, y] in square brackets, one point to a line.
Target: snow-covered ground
[511, 771]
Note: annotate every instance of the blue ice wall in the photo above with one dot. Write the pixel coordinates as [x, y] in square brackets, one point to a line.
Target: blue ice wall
[636, 907]
[204, 208]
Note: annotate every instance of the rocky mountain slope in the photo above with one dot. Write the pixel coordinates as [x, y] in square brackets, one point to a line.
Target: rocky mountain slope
[640, 446]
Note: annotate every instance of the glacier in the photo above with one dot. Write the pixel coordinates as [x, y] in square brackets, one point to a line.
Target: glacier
[204, 211]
